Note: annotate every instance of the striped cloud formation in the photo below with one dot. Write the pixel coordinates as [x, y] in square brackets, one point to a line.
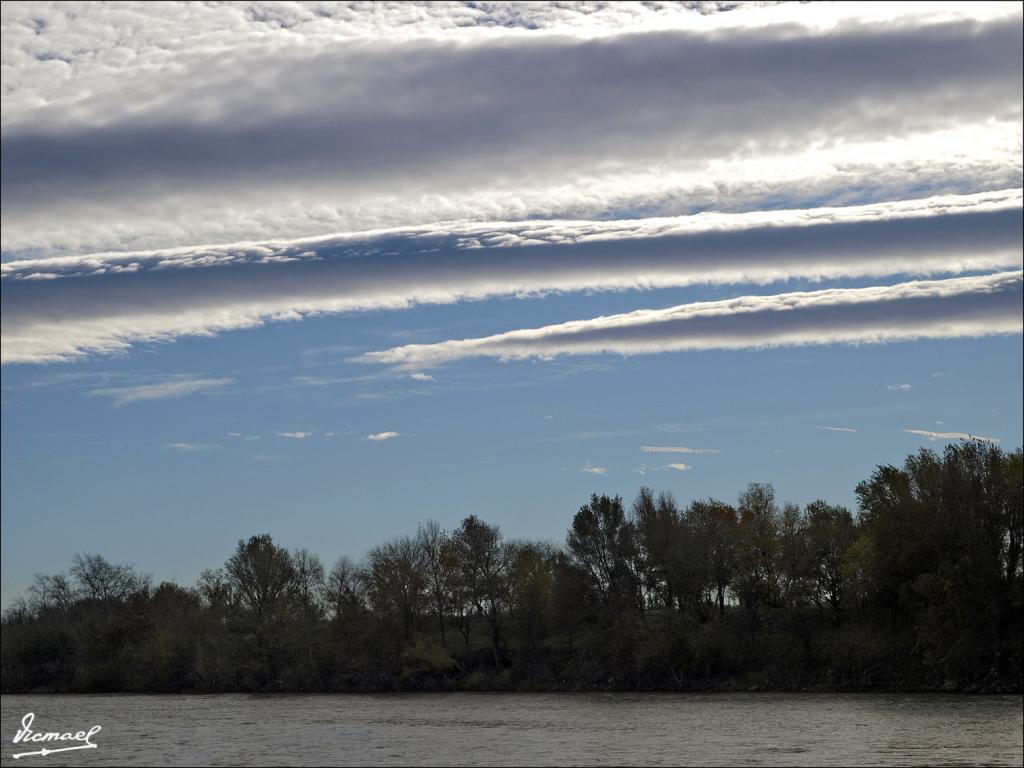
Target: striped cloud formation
[60, 307]
[190, 169]
[957, 307]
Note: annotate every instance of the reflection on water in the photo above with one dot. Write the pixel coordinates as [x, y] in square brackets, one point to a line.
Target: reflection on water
[525, 729]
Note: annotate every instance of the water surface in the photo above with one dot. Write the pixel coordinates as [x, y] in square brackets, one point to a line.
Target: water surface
[527, 729]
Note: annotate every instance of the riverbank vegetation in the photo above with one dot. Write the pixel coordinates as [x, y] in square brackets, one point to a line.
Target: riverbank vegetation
[921, 589]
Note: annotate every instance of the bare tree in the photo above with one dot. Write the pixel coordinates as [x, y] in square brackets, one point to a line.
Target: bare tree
[49, 593]
[308, 584]
[217, 589]
[345, 588]
[441, 567]
[396, 581]
[99, 579]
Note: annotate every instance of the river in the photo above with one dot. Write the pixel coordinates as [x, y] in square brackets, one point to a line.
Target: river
[524, 729]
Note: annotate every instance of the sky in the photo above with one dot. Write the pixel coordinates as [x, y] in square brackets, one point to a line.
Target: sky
[325, 270]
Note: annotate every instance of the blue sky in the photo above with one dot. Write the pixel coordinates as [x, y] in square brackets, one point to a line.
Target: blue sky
[210, 337]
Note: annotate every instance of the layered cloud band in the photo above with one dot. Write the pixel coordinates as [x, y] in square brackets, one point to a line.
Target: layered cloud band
[161, 136]
[957, 307]
[59, 308]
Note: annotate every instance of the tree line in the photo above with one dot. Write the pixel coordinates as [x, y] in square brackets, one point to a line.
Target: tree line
[921, 589]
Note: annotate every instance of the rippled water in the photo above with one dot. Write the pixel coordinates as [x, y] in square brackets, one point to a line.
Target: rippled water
[525, 729]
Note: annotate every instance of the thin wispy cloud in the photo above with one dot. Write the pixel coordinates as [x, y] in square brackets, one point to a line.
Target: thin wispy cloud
[269, 458]
[379, 437]
[954, 308]
[242, 436]
[177, 387]
[951, 436]
[838, 429]
[591, 469]
[295, 435]
[188, 446]
[327, 381]
[676, 449]
[643, 469]
[73, 378]
[899, 387]
[421, 377]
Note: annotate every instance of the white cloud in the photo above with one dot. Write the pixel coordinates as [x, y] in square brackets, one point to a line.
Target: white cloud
[295, 435]
[899, 387]
[378, 437]
[933, 436]
[588, 467]
[941, 374]
[838, 429]
[241, 436]
[187, 446]
[177, 387]
[643, 469]
[396, 116]
[175, 293]
[966, 160]
[958, 307]
[399, 175]
[704, 238]
[398, 113]
[676, 449]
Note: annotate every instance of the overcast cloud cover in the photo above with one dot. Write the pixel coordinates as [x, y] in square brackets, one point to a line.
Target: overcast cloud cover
[528, 181]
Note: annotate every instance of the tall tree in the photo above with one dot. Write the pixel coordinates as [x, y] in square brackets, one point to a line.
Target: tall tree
[829, 532]
[757, 551]
[530, 592]
[440, 567]
[659, 547]
[603, 541]
[713, 525]
[261, 573]
[308, 583]
[483, 566]
[396, 582]
[344, 588]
